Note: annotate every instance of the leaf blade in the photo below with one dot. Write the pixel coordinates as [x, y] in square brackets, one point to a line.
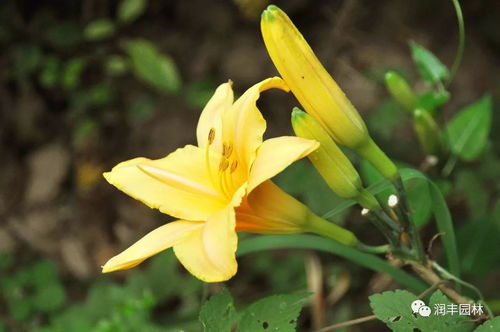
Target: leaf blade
[302, 241]
[468, 130]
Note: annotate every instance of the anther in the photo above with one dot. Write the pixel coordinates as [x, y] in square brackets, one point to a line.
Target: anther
[234, 165]
[223, 165]
[211, 136]
[227, 150]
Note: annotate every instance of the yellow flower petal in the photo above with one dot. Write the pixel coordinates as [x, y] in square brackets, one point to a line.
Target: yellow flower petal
[178, 184]
[269, 210]
[243, 124]
[157, 240]
[275, 155]
[211, 116]
[209, 252]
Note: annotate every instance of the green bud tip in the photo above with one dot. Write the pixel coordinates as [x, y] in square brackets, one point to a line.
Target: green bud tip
[297, 113]
[389, 76]
[267, 14]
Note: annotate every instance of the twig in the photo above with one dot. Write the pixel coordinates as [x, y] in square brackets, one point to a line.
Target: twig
[450, 276]
[431, 242]
[432, 278]
[461, 40]
[348, 323]
[431, 289]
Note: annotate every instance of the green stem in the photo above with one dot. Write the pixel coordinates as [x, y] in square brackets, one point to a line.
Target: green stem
[367, 200]
[449, 166]
[372, 249]
[449, 276]
[383, 228]
[371, 152]
[330, 230]
[384, 217]
[407, 223]
[461, 40]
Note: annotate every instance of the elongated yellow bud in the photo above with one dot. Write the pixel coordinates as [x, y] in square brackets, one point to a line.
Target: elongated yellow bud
[400, 90]
[316, 90]
[337, 171]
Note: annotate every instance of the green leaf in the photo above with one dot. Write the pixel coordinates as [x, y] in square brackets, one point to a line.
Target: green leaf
[100, 94]
[476, 238]
[394, 309]
[152, 67]
[218, 313]
[302, 241]
[429, 66]
[6, 260]
[432, 100]
[71, 73]
[444, 224]
[475, 192]
[274, 313]
[99, 29]
[116, 65]
[49, 76]
[43, 273]
[468, 130]
[491, 325]
[420, 201]
[50, 297]
[129, 10]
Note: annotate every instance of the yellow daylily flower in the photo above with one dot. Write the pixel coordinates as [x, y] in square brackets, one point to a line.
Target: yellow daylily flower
[316, 90]
[205, 185]
[269, 210]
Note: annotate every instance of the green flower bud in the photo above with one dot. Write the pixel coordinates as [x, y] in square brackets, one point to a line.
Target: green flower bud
[337, 171]
[400, 90]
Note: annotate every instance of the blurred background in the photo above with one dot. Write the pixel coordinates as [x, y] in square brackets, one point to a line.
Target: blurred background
[87, 84]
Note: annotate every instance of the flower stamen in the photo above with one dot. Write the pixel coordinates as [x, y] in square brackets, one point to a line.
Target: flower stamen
[211, 137]
[234, 165]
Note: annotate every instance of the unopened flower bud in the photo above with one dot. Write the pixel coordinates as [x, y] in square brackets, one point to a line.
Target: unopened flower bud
[400, 90]
[337, 171]
[316, 90]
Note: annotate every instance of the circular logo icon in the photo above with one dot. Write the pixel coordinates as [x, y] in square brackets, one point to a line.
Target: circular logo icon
[424, 311]
[416, 305]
